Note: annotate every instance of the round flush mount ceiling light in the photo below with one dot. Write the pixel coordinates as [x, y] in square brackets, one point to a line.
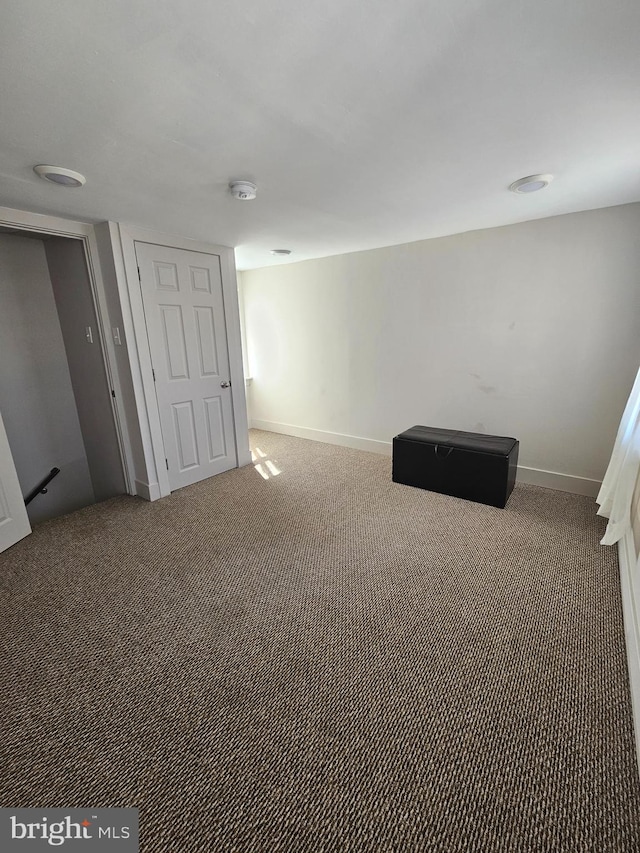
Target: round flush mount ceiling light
[531, 184]
[281, 252]
[60, 176]
[243, 190]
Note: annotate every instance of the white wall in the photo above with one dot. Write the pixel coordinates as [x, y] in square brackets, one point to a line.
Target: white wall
[76, 312]
[36, 397]
[530, 330]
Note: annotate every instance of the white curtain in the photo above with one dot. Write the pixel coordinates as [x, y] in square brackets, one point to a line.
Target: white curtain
[622, 474]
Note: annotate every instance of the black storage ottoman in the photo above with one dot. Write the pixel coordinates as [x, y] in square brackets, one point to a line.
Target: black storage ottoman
[466, 465]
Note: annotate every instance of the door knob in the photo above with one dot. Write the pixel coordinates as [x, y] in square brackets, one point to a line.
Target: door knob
[225, 384]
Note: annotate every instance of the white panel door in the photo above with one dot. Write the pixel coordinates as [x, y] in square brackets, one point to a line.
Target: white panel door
[14, 521]
[184, 312]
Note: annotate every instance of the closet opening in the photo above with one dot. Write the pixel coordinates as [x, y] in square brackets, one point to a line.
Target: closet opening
[55, 393]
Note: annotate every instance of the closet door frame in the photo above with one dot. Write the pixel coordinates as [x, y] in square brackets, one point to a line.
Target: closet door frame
[56, 227]
[123, 240]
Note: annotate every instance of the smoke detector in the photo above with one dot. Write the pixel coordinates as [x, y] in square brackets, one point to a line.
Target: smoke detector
[60, 176]
[243, 190]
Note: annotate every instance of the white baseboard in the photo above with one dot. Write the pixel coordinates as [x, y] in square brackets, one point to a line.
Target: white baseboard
[559, 482]
[532, 476]
[630, 588]
[148, 491]
[339, 438]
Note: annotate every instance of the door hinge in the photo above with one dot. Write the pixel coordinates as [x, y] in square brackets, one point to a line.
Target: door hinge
[113, 394]
[139, 276]
[154, 374]
[166, 462]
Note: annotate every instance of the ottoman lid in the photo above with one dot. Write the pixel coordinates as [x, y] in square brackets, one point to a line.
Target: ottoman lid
[498, 445]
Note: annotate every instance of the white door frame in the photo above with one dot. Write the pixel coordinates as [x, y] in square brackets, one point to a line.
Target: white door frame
[14, 521]
[57, 227]
[133, 312]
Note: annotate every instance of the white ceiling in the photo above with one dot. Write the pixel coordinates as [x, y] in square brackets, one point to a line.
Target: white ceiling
[364, 122]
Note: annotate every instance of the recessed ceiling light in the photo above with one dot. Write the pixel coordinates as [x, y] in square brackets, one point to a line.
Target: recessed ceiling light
[243, 190]
[281, 251]
[60, 176]
[531, 184]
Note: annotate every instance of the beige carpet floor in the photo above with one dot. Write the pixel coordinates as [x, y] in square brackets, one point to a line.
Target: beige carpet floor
[323, 661]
